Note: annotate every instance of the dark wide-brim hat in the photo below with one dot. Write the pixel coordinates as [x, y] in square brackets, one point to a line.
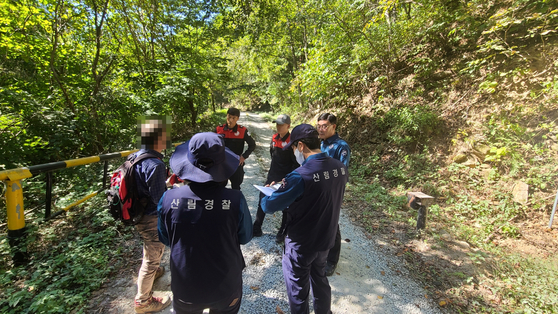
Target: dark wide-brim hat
[301, 131]
[204, 158]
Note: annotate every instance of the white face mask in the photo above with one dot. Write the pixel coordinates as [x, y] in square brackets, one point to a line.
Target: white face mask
[299, 156]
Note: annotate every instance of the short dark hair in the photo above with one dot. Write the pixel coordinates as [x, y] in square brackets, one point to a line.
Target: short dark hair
[329, 117]
[233, 112]
[311, 142]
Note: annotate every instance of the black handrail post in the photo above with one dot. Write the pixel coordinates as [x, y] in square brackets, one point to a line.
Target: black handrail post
[48, 202]
[105, 173]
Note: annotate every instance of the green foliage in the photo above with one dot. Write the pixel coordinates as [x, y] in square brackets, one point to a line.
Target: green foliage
[209, 120]
[488, 87]
[519, 152]
[537, 18]
[74, 78]
[361, 45]
[377, 197]
[496, 154]
[506, 139]
[407, 125]
[302, 53]
[479, 208]
[69, 259]
[528, 284]
[509, 28]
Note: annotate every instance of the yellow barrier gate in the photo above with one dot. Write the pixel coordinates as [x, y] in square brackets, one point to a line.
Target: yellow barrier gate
[14, 195]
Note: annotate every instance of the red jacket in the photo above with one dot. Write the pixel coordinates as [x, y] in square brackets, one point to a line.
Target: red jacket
[235, 138]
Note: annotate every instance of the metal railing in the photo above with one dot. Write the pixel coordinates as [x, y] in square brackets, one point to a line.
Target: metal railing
[14, 191]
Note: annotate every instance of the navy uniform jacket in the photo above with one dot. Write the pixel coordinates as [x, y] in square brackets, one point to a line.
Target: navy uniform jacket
[204, 225]
[337, 148]
[235, 138]
[311, 196]
[282, 161]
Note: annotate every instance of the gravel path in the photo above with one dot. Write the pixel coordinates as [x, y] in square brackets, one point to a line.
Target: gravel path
[366, 280]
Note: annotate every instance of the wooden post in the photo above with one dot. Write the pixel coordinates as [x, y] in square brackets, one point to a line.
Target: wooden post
[419, 201]
[421, 217]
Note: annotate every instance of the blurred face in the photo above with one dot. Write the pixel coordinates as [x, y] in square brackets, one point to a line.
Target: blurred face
[231, 121]
[282, 129]
[161, 143]
[149, 130]
[325, 129]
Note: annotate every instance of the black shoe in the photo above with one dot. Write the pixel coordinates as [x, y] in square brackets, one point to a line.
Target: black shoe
[257, 231]
[280, 237]
[330, 269]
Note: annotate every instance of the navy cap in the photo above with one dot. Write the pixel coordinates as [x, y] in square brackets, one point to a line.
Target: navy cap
[302, 131]
[204, 158]
[283, 119]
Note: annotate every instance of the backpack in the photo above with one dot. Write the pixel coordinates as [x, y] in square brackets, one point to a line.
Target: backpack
[124, 202]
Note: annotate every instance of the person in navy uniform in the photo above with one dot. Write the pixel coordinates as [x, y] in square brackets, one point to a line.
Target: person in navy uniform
[311, 196]
[204, 224]
[337, 148]
[282, 162]
[235, 137]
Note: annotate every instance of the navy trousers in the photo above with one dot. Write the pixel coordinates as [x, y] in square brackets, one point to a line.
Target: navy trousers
[302, 271]
[335, 251]
[237, 178]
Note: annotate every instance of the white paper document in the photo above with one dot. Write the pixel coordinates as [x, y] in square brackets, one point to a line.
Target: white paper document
[267, 190]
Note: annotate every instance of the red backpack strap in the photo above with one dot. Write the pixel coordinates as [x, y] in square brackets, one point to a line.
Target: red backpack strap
[129, 175]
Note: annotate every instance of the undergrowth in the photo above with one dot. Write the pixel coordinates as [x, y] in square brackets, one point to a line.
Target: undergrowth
[69, 258]
[525, 284]
[474, 202]
[513, 141]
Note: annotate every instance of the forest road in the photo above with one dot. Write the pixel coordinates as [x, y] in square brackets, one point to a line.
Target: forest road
[366, 280]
